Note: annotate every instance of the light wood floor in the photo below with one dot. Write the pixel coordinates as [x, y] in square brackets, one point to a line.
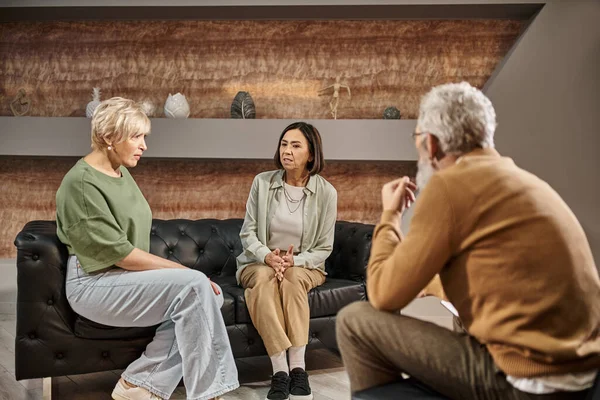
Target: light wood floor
[328, 378]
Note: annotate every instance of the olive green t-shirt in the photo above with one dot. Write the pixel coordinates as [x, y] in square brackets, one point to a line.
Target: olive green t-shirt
[100, 218]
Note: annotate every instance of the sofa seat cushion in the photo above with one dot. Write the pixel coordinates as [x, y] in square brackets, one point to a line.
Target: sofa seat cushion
[87, 329]
[329, 298]
[224, 281]
[241, 311]
[228, 308]
[84, 328]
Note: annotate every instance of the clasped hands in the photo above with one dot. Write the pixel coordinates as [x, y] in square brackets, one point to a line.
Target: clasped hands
[280, 262]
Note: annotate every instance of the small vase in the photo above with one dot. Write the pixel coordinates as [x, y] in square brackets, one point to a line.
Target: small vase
[177, 106]
[391, 113]
[149, 108]
[91, 106]
[243, 106]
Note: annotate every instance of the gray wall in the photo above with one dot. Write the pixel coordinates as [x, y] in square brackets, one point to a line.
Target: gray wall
[547, 99]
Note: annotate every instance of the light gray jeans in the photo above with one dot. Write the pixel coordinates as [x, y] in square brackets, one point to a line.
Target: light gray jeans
[191, 341]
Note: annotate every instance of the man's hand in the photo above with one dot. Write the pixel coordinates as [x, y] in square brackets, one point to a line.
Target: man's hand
[398, 194]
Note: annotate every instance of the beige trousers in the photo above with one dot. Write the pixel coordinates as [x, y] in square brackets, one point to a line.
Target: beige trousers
[279, 310]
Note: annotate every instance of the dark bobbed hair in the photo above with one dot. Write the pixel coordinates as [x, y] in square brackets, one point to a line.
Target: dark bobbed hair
[315, 146]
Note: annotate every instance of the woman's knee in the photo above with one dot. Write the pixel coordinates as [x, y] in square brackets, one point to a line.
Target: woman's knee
[197, 280]
[200, 283]
[293, 275]
[295, 279]
[257, 274]
[194, 276]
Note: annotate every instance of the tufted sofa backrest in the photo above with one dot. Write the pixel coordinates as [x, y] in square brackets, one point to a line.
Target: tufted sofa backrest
[208, 245]
[211, 246]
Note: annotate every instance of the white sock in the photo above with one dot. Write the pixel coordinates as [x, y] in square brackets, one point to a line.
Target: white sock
[297, 357]
[279, 362]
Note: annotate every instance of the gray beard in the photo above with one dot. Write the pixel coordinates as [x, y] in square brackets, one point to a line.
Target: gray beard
[424, 173]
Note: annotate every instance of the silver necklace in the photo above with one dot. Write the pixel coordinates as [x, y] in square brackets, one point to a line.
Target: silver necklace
[289, 199]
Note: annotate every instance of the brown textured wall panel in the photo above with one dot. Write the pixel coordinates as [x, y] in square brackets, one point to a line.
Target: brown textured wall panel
[179, 188]
[282, 63]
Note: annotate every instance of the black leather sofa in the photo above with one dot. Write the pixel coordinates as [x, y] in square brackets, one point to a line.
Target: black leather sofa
[52, 340]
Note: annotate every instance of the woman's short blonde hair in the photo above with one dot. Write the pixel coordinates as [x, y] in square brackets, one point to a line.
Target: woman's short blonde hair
[116, 120]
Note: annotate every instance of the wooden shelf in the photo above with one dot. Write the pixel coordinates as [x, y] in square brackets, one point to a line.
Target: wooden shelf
[387, 140]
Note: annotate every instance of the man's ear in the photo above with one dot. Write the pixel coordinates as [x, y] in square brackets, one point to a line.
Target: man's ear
[434, 149]
[431, 146]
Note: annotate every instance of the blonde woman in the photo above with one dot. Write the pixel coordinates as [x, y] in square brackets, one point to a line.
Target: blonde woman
[104, 220]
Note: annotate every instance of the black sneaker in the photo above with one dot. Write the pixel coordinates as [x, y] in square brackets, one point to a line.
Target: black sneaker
[280, 387]
[299, 387]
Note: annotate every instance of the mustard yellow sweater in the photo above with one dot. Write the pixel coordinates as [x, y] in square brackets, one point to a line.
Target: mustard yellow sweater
[511, 257]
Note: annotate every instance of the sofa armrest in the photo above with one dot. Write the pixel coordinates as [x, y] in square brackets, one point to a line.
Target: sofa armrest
[351, 251]
[43, 314]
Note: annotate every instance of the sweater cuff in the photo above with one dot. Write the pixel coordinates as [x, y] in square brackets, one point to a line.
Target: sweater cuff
[391, 217]
[262, 253]
[299, 261]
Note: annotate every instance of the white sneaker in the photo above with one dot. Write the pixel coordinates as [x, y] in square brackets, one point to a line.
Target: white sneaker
[124, 392]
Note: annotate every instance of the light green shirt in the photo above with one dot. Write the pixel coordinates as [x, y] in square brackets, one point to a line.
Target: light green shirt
[100, 218]
[320, 213]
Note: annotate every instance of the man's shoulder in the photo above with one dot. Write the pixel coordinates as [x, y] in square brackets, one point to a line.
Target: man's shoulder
[477, 181]
[484, 169]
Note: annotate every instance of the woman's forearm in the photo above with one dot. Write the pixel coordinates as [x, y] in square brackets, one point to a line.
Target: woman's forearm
[139, 260]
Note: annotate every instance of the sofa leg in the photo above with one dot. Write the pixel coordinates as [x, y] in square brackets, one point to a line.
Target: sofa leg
[47, 388]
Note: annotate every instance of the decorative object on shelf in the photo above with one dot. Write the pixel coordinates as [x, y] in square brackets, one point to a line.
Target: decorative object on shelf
[177, 106]
[20, 104]
[91, 106]
[243, 106]
[148, 107]
[335, 99]
[391, 113]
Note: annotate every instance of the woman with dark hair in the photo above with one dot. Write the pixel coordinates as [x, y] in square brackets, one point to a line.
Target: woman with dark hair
[287, 236]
